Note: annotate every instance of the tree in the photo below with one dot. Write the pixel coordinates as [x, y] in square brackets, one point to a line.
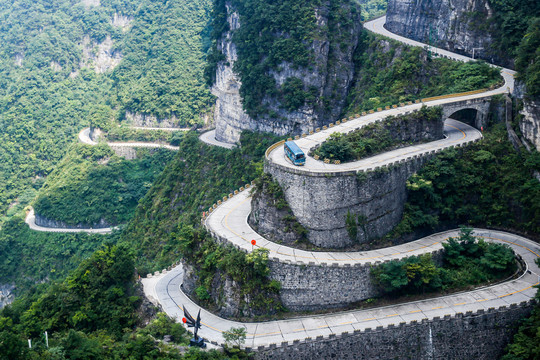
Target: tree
[235, 337]
[498, 258]
[391, 276]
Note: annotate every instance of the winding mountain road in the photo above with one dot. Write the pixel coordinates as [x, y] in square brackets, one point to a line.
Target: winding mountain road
[452, 128]
[229, 222]
[84, 137]
[209, 138]
[165, 290]
[31, 221]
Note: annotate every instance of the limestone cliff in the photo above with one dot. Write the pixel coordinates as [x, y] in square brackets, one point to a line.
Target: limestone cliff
[6, 294]
[271, 216]
[229, 117]
[460, 26]
[529, 122]
[323, 83]
[50, 223]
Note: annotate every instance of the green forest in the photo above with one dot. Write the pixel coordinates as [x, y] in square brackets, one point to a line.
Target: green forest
[92, 184]
[487, 184]
[92, 314]
[466, 261]
[47, 94]
[49, 91]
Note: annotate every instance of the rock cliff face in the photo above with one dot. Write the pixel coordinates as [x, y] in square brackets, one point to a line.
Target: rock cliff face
[329, 76]
[102, 57]
[46, 222]
[273, 218]
[146, 120]
[6, 294]
[458, 25]
[530, 122]
[226, 294]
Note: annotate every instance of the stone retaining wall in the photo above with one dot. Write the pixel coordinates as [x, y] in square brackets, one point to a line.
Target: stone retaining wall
[321, 202]
[480, 335]
[322, 286]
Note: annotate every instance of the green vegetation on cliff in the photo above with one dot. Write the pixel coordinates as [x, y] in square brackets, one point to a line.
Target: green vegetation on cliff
[388, 72]
[164, 59]
[466, 261]
[216, 264]
[528, 59]
[275, 35]
[197, 177]
[485, 184]
[376, 138]
[92, 184]
[372, 8]
[511, 19]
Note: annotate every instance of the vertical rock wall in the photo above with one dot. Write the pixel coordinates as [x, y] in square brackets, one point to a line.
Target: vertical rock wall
[530, 122]
[229, 117]
[6, 294]
[458, 25]
[56, 224]
[331, 74]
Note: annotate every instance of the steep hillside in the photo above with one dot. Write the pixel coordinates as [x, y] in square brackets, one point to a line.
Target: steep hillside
[30, 257]
[286, 64]
[197, 177]
[48, 89]
[160, 79]
[387, 72]
[66, 64]
[91, 185]
[487, 184]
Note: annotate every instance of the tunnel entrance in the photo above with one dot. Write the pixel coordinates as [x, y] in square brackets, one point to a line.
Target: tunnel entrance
[468, 116]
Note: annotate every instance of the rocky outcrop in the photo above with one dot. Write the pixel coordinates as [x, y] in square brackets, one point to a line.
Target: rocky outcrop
[272, 217]
[102, 56]
[146, 120]
[6, 294]
[329, 77]
[122, 21]
[225, 296]
[323, 202]
[529, 124]
[50, 223]
[91, 3]
[460, 26]
[229, 117]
